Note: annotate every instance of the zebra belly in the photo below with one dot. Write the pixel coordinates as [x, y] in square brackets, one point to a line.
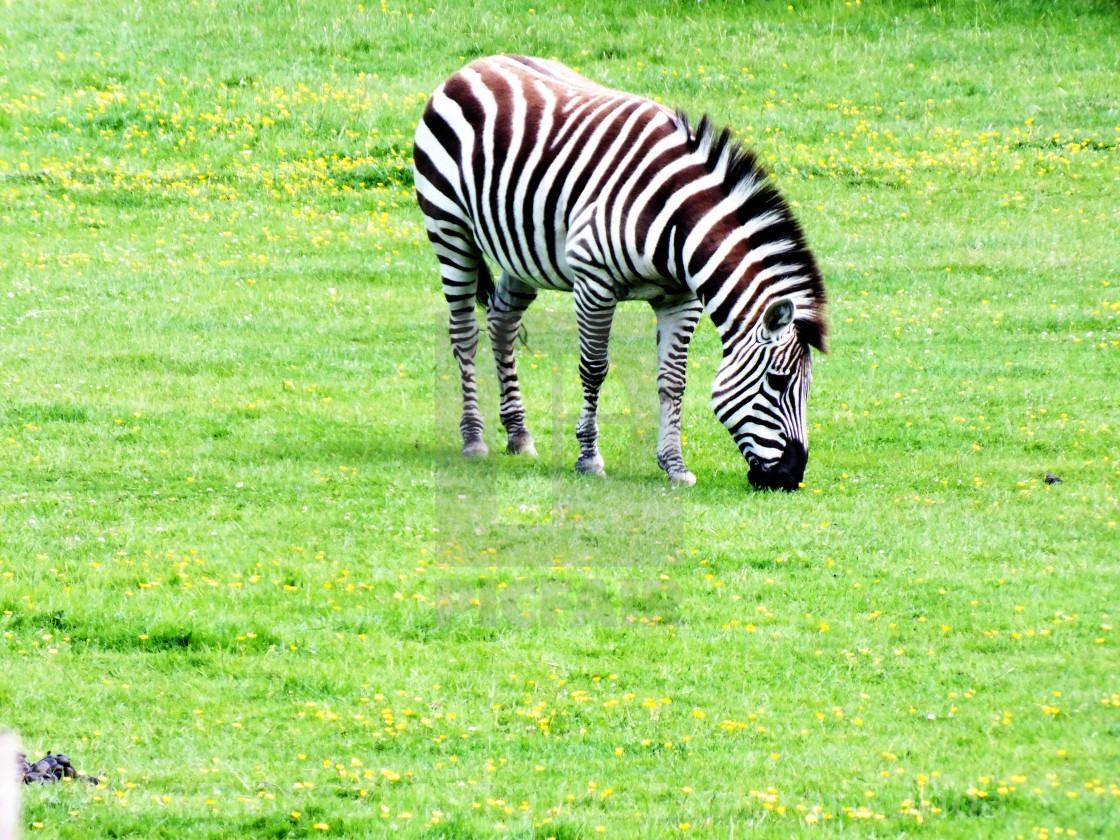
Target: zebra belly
[632, 290]
[538, 280]
[644, 290]
[538, 273]
[628, 289]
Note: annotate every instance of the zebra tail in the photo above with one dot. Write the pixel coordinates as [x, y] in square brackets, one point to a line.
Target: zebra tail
[485, 291]
[486, 286]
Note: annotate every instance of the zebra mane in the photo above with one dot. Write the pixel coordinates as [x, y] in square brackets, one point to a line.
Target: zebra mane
[724, 153]
[745, 176]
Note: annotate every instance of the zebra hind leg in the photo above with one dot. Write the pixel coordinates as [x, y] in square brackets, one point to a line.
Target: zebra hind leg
[464, 343]
[593, 318]
[463, 286]
[466, 282]
[676, 321]
[507, 305]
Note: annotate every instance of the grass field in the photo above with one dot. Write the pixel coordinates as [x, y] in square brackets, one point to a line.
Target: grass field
[247, 582]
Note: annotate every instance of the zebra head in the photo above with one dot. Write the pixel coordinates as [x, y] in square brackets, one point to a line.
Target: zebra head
[761, 391]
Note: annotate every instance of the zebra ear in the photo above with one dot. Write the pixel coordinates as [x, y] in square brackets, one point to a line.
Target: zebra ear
[778, 316]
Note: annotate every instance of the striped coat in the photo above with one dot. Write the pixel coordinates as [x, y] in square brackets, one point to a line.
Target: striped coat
[565, 184]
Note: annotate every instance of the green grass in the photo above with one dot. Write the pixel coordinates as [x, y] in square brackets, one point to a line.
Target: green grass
[247, 582]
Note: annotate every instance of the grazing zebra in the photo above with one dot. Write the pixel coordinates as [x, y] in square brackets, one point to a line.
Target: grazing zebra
[569, 185]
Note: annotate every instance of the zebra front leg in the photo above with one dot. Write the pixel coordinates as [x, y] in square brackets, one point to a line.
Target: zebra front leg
[508, 303]
[594, 312]
[676, 321]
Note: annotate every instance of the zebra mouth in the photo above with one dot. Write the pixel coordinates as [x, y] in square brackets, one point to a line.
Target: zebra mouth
[784, 474]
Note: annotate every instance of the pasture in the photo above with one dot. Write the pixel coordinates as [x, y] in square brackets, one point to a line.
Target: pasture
[247, 582]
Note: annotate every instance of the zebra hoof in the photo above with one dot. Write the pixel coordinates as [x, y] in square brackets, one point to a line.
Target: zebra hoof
[592, 465]
[522, 446]
[682, 479]
[474, 449]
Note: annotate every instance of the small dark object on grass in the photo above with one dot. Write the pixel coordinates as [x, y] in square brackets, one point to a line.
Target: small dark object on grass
[52, 767]
[1052, 479]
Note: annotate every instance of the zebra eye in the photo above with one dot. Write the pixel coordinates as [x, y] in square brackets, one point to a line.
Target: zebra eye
[778, 381]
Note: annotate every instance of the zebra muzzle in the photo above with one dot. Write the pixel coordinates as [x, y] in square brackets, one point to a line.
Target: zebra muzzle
[786, 474]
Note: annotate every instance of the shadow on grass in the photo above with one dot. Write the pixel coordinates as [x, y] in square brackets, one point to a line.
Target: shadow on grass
[112, 633]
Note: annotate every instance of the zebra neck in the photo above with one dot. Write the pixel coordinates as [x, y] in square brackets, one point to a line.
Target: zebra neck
[715, 288]
[735, 250]
[668, 261]
[736, 270]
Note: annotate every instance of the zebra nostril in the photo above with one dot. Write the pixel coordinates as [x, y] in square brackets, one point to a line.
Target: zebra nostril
[794, 459]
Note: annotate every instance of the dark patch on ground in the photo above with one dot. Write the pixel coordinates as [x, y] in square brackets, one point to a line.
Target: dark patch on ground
[53, 767]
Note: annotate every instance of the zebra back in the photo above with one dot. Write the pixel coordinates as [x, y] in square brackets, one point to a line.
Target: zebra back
[527, 156]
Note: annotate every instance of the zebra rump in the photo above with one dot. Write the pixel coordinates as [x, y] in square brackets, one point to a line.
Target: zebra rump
[568, 185]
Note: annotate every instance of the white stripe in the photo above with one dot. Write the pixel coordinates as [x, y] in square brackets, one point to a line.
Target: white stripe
[510, 227]
[437, 197]
[743, 232]
[482, 191]
[678, 198]
[453, 115]
[558, 168]
[672, 261]
[453, 275]
[593, 190]
[625, 237]
[539, 245]
[653, 234]
[721, 211]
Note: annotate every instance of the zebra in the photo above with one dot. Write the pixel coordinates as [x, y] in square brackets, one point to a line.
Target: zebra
[569, 185]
